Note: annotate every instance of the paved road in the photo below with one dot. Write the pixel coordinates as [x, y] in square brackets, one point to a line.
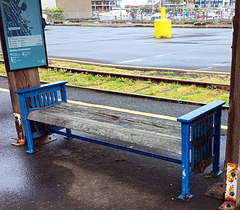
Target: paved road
[190, 48]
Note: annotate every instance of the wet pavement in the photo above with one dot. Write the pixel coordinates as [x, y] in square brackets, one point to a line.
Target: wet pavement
[189, 48]
[206, 49]
[71, 174]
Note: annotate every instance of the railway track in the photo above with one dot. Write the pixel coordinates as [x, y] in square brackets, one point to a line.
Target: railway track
[146, 78]
[141, 77]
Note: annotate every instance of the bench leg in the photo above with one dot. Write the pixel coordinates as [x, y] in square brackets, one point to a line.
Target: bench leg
[185, 163]
[29, 136]
[216, 149]
[68, 131]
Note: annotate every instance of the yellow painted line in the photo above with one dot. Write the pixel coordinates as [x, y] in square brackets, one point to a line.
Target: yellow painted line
[124, 110]
[224, 127]
[164, 117]
[4, 90]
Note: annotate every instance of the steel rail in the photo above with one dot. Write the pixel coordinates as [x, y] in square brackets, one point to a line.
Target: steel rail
[155, 98]
[140, 68]
[146, 78]
[140, 77]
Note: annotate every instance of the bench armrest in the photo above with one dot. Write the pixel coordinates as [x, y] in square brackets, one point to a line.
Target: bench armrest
[201, 132]
[191, 116]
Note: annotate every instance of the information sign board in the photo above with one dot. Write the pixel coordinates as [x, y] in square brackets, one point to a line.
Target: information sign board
[22, 35]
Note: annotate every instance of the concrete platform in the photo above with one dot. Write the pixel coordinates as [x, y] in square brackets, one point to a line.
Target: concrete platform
[70, 174]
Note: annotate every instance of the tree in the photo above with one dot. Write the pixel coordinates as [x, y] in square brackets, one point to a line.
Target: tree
[56, 13]
[175, 1]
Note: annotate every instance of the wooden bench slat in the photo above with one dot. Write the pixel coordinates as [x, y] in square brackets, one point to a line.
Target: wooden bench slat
[136, 129]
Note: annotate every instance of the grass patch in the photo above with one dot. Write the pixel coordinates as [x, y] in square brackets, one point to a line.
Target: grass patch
[3, 70]
[167, 74]
[168, 90]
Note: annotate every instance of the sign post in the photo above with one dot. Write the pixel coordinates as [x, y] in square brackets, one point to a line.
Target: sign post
[24, 49]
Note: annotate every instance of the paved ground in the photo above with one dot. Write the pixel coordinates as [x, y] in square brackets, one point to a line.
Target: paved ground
[207, 49]
[77, 175]
[189, 48]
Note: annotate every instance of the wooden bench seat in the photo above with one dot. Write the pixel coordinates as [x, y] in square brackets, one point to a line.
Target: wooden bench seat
[147, 131]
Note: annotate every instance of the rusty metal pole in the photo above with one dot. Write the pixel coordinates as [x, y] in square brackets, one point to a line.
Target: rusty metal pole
[238, 185]
[233, 135]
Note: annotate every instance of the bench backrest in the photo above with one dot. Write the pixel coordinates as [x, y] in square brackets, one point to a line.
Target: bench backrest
[41, 97]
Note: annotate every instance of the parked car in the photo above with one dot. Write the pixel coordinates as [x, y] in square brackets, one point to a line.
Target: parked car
[45, 20]
[156, 16]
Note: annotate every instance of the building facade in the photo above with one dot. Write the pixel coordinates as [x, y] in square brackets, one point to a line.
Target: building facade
[102, 5]
[73, 9]
[82, 6]
[214, 3]
[48, 4]
[119, 3]
[76, 9]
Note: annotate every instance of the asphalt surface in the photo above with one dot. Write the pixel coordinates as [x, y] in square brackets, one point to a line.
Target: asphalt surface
[71, 174]
[189, 48]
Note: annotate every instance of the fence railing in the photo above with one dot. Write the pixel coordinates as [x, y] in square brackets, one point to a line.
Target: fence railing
[188, 15]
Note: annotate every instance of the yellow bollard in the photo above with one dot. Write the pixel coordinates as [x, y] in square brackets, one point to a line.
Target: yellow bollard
[163, 27]
[163, 13]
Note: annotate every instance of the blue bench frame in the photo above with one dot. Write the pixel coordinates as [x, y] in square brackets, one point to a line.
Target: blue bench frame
[201, 131]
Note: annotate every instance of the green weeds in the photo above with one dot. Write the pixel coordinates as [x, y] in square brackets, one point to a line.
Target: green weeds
[168, 90]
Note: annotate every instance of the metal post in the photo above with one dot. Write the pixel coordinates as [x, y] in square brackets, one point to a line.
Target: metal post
[64, 98]
[26, 123]
[63, 93]
[185, 162]
[163, 10]
[216, 149]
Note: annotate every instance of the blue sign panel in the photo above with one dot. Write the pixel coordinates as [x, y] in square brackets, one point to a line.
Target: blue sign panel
[22, 36]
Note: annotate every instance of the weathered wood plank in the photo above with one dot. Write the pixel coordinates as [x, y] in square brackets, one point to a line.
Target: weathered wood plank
[147, 131]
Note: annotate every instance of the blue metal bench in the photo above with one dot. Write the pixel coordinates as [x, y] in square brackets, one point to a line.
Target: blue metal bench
[200, 140]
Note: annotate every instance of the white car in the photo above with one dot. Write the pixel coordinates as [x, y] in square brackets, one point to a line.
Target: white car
[45, 20]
